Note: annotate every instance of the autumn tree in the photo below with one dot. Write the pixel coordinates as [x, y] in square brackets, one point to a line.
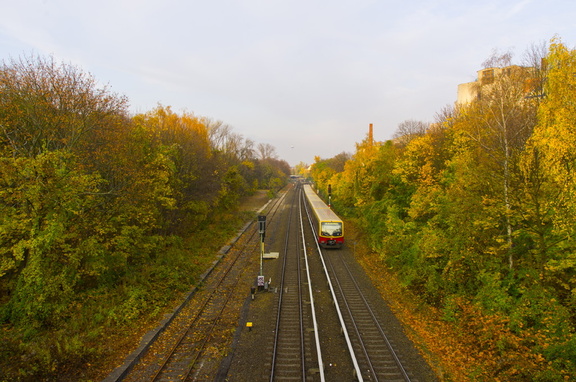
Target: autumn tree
[535, 57]
[97, 209]
[500, 123]
[195, 180]
[45, 253]
[218, 133]
[49, 106]
[338, 162]
[301, 169]
[409, 130]
[549, 167]
[361, 171]
[231, 145]
[476, 214]
[266, 151]
[51, 192]
[321, 173]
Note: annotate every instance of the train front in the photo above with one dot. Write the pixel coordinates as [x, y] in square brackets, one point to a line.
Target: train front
[331, 234]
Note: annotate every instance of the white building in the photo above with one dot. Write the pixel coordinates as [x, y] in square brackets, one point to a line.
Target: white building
[471, 91]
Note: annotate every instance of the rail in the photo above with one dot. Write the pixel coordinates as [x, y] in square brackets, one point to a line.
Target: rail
[172, 366]
[291, 310]
[357, 322]
[339, 312]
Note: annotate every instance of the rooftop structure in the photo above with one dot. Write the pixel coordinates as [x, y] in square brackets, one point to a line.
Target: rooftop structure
[471, 91]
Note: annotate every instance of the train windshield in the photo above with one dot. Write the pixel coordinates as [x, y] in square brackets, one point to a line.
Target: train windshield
[331, 229]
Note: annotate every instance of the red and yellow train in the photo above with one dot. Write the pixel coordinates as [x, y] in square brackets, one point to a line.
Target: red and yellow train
[329, 227]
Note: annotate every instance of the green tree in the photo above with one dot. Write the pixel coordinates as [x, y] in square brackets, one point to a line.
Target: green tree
[45, 207]
[196, 179]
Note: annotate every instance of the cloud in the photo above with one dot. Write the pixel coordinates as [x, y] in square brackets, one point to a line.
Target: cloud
[298, 72]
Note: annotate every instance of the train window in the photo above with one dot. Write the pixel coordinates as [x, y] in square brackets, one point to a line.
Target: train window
[331, 229]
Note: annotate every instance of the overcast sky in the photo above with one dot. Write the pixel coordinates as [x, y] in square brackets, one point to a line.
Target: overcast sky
[307, 76]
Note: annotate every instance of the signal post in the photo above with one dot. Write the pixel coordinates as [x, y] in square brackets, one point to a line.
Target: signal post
[262, 230]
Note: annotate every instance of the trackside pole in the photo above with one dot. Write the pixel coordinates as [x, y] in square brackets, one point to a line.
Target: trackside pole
[262, 230]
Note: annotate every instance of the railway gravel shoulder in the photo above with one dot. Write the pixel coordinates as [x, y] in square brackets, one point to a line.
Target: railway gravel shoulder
[148, 339]
[249, 354]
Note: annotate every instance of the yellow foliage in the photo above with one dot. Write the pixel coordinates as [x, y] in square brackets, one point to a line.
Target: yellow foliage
[555, 135]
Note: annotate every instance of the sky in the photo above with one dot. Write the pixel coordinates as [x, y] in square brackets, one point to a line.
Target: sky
[306, 76]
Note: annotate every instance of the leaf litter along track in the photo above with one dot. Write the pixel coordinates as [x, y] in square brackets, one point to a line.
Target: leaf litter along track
[185, 348]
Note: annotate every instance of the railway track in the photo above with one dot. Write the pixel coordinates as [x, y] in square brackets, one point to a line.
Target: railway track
[289, 345]
[372, 352]
[180, 352]
[296, 353]
[316, 322]
[376, 356]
